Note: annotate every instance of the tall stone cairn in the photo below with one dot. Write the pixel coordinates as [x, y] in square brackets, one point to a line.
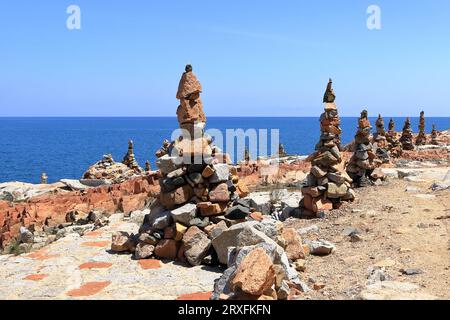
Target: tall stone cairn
[327, 183]
[199, 191]
[130, 160]
[44, 178]
[421, 137]
[394, 146]
[434, 136]
[380, 140]
[364, 160]
[407, 136]
[333, 124]
[190, 111]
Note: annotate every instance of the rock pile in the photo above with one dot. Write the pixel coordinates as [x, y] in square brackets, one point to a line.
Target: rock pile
[44, 178]
[327, 183]
[130, 160]
[108, 169]
[380, 143]
[407, 136]
[434, 136]
[421, 139]
[394, 146]
[364, 160]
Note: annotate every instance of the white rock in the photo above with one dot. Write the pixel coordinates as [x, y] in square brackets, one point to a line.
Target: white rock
[221, 174]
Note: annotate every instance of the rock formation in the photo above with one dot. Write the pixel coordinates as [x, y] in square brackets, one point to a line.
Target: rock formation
[394, 146]
[130, 160]
[380, 143]
[364, 159]
[281, 150]
[332, 123]
[108, 169]
[200, 192]
[148, 167]
[407, 136]
[190, 111]
[327, 183]
[421, 137]
[434, 135]
[44, 178]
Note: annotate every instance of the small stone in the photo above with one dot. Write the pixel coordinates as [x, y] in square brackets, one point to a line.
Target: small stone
[321, 247]
[293, 244]
[300, 265]
[196, 245]
[221, 173]
[318, 286]
[207, 172]
[219, 193]
[184, 214]
[121, 242]
[411, 272]
[167, 249]
[237, 213]
[143, 251]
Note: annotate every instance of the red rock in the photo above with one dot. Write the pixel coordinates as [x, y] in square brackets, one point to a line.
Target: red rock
[294, 246]
[150, 264]
[258, 216]
[318, 286]
[98, 244]
[89, 289]
[219, 193]
[197, 296]
[208, 209]
[167, 249]
[255, 275]
[35, 277]
[94, 265]
[207, 172]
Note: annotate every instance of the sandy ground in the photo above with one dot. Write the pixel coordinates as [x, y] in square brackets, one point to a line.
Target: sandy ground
[399, 229]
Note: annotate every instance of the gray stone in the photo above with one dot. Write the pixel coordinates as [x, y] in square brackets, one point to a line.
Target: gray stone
[167, 164]
[334, 191]
[184, 214]
[196, 244]
[260, 201]
[94, 183]
[237, 213]
[221, 174]
[307, 230]
[321, 247]
[74, 185]
[176, 173]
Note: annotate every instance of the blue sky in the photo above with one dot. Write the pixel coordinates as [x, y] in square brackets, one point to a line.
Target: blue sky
[254, 58]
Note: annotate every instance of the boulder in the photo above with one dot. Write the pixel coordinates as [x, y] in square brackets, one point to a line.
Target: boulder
[255, 275]
[184, 214]
[221, 173]
[196, 245]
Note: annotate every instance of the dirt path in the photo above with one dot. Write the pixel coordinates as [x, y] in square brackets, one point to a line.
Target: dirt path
[399, 229]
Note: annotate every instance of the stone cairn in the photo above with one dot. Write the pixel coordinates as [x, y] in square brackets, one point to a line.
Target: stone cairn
[281, 150]
[434, 136]
[44, 178]
[327, 184]
[130, 160]
[148, 167]
[380, 140]
[421, 139]
[364, 160]
[407, 136]
[394, 145]
[200, 191]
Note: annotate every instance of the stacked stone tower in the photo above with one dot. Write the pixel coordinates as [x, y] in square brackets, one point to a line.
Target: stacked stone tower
[407, 136]
[199, 189]
[434, 135]
[364, 159]
[421, 137]
[130, 160]
[380, 140]
[394, 146]
[327, 183]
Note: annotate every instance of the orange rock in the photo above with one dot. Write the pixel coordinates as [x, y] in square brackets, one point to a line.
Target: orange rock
[197, 296]
[167, 248]
[94, 265]
[89, 289]
[256, 273]
[98, 244]
[294, 248]
[242, 189]
[208, 209]
[36, 277]
[149, 264]
[258, 216]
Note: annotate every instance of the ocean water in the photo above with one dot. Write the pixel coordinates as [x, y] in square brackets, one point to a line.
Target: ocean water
[66, 147]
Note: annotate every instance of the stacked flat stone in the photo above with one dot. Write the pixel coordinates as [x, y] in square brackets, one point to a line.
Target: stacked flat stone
[281, 150]
[421, 139]
[327, 183]
[130, 160]
[200, 191]
[394, 145]
[380, 143]
[364, 160]
[407, 136]
[44, 178]
[434, 136]
[190, 111]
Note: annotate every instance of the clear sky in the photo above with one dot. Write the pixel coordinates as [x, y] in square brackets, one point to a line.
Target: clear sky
[253, 57]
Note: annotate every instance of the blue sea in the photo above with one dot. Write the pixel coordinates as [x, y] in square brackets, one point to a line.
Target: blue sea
[66, 147]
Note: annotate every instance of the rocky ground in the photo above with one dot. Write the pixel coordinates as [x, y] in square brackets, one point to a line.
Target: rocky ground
[392, 242]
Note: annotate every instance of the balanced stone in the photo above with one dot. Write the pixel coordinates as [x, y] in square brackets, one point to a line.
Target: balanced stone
[407, 136]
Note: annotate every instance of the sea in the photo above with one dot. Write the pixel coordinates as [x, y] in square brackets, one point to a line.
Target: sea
[64, 148]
